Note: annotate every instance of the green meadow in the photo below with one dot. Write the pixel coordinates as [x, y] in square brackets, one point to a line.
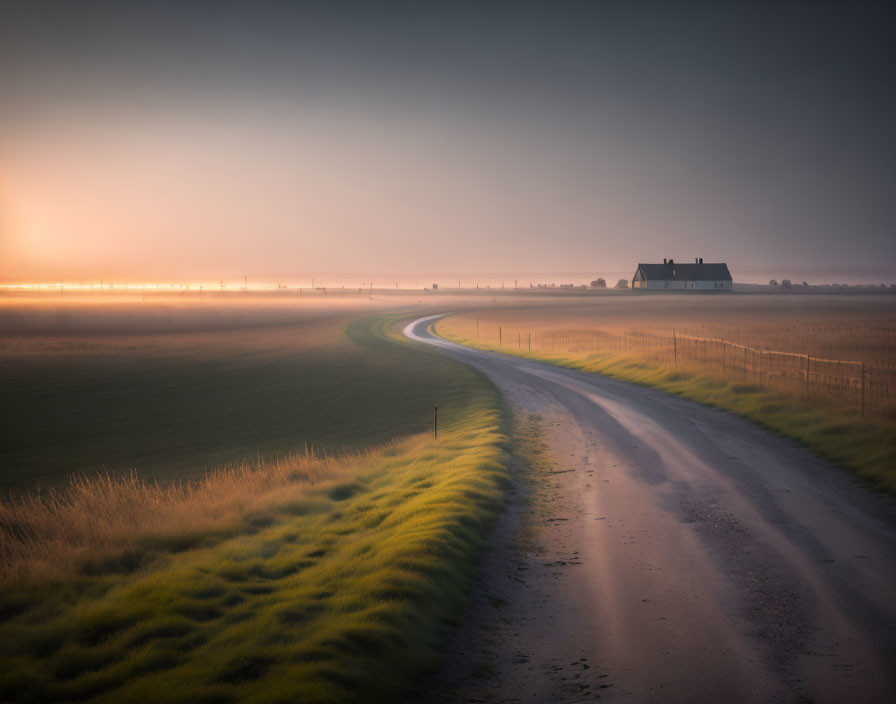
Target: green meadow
[296, 578]
[174, 404]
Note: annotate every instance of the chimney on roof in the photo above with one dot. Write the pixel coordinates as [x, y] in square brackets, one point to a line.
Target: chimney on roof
[701, 260]
[664, 260]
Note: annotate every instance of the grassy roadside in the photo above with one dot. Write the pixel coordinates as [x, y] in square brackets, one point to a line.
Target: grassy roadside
[332, 580]
[866, 447]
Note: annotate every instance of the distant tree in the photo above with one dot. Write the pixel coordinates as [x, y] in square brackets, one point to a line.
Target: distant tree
[598, 283]
[786, 283]
[622, 283]
[773, 283]
[805, 283]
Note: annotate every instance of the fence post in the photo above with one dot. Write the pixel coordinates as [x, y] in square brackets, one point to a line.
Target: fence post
[477, 327]
[808, 360]
[435, 421]
[674, 349]
[500, 336]
[863, 389]
[723, 355]
[518, 340]
[530, 341]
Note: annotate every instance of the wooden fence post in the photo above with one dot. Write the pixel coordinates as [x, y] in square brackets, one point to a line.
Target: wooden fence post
[808, 360]
[435, 421]
[863, 390]
[674, 349]
[500, 334]
[518, 340]
[530, 341]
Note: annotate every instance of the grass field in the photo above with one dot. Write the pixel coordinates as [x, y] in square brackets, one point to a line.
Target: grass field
[858, 327]
[111, 388]
[320, 579]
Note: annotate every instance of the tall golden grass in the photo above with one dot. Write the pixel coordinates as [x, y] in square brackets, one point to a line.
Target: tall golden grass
[825, 412]
[99, 521]
[850, 366]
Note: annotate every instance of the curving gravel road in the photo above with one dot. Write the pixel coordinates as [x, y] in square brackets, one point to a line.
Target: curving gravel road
[687, 555]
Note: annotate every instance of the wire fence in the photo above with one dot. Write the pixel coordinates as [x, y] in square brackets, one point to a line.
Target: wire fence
[853, 386]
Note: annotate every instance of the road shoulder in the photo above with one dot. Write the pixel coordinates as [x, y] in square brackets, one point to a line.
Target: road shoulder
[521, 636]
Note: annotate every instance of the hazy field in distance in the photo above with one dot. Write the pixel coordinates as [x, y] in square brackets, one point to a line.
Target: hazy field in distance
[171, 386]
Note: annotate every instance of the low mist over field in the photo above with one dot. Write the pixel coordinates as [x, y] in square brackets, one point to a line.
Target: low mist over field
[174, 385]
[174, 388]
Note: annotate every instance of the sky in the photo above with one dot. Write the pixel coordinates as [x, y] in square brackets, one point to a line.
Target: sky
[171, 140]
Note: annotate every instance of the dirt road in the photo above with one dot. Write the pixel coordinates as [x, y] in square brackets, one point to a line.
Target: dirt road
[687, 555]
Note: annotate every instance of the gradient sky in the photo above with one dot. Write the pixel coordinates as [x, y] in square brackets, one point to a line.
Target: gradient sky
[212, 139]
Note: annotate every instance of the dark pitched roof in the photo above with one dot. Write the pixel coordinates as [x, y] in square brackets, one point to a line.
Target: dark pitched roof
[686, 272]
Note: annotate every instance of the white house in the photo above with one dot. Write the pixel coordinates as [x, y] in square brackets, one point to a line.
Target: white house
[671, 275]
